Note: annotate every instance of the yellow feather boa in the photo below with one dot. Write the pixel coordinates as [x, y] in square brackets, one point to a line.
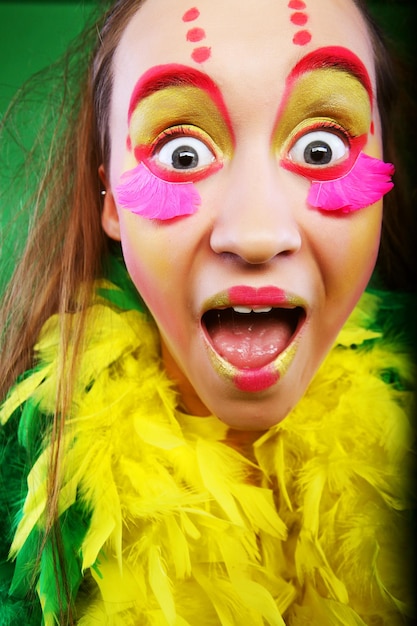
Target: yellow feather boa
[181, 534]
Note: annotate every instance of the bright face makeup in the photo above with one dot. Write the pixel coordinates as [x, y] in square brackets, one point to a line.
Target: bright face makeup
[299, 18]
[147, 195]
[333, 120]
[174, 113]
[196, 35]
[322, 135]
[250, 277]
[366, 183]
[252, 334]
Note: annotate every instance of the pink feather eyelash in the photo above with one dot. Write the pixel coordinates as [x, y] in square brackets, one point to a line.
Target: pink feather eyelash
[145, 194]
[367, 182]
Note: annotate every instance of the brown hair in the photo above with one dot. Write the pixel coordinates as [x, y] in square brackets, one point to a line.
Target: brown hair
[67, 246]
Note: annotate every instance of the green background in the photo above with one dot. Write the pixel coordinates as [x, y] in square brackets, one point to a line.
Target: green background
[32, 36]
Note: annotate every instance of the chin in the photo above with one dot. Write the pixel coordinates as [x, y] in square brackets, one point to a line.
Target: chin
[253, 411]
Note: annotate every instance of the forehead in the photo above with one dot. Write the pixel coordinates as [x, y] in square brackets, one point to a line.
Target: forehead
[253, 36]
[251, 50]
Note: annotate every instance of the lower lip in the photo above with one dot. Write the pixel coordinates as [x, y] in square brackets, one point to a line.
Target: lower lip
[258, 379]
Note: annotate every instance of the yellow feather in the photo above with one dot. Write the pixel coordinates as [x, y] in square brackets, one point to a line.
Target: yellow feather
[210, 456]
[22, 393]
[180, 535]
[35, 503]
[258, 507]
[119, 591]
[180, 549]
[160, 585]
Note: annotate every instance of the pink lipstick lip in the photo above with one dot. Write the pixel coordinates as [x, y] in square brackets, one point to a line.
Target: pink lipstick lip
[242, 295]
[256, 379]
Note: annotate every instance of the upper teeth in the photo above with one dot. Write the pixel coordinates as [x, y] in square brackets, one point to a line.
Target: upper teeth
[246, 309]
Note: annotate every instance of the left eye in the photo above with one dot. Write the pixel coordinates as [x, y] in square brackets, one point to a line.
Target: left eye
[185, 153]
[318, 148]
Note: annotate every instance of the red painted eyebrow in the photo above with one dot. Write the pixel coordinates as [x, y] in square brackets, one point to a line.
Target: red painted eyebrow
[175, 75]
[333, 57]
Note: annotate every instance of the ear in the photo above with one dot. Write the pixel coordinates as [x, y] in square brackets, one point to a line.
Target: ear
[110, 215]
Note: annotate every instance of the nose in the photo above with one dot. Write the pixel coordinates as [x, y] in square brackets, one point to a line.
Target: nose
[255, 220]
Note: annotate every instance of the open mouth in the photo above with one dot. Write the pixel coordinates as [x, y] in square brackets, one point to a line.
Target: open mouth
[251, 337]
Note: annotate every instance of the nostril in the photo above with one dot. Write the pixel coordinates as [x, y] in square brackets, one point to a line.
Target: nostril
[255, 217]
[256, 247]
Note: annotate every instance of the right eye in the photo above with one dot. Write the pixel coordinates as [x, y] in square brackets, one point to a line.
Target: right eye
[318, 148]
[184, 153]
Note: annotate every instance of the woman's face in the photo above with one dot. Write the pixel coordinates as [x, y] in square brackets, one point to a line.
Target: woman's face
[226, 112]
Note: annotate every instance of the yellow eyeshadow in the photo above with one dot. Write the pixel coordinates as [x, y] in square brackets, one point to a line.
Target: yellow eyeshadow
[179, 105]
[325, 94]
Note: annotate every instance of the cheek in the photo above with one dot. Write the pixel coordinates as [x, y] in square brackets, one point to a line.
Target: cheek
[350, 254]
[145, 259]
[345, 257]
[153, 270]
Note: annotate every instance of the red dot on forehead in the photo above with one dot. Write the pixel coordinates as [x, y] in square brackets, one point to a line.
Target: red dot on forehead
[191, 15]
[195, 34]
[299, 19]
[200, 55]
[302, 38]
[298, 5]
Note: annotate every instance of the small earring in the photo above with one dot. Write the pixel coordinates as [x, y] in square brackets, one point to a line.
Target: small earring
[103, 192]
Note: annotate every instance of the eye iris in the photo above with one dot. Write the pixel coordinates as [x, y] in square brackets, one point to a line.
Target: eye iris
[184, 158]
[318, 153]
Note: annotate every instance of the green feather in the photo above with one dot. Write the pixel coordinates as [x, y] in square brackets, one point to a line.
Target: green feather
[24, 610]
[73, 527]
[124, 296]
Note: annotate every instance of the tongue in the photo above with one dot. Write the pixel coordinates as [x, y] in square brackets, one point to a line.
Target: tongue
[249, 341]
